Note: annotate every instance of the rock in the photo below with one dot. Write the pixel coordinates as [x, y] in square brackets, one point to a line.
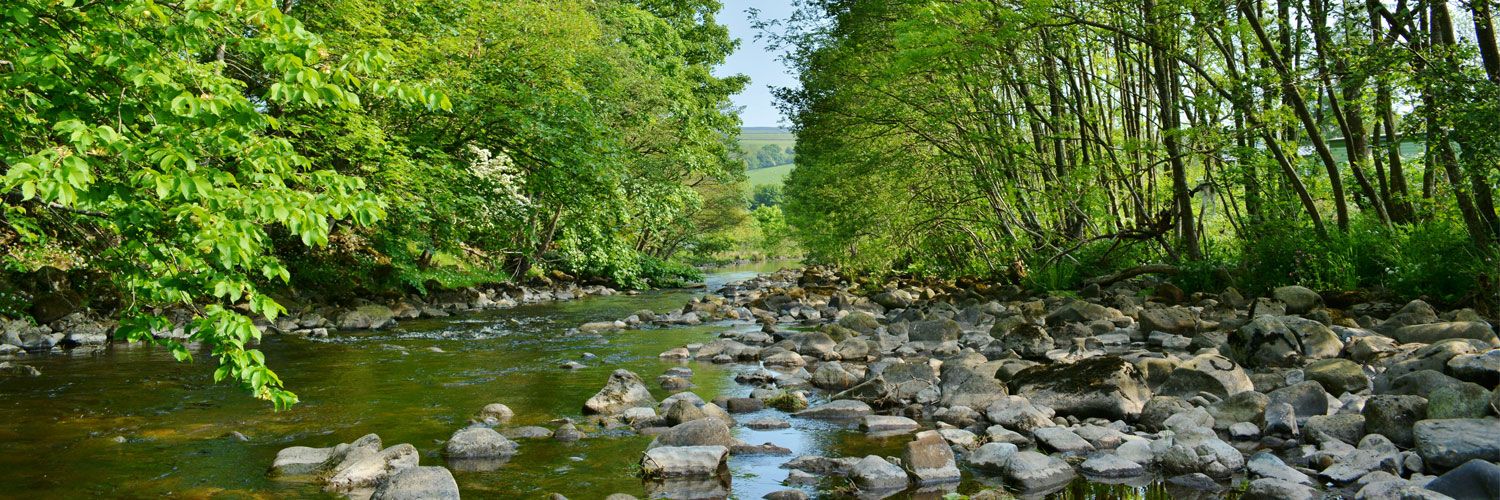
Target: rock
[1061, 440]
[1446, 444]
[1209, 373]
[1281, 420]
[832, 376]
[1079, 311]
[861, 322]
[1196, 418]
[700, 432]
[964, 386]
[1267, 465]
[18, 370]
[1103, 386]
[1015, 412]
[1474, 479]
[1298, 299]
[783, 358]
[1433, 332]
[999, 434]
[1393, 416]
[496, 414]
[479, 442]
[418, 483]
[1174, 320]
[1483, 369]
[685, 461]
[1462, 400]
[1160, 408]
[1104, 465]
[929, 460]
[1031, 471]
[624, 390]
[959, 438]
[992, 456]
[674, 383]
[568, 433]
[601, 327]
[744, 405]
[874, 474]
[1346, 427]
[1374, 454]
[1195, 481]
[1244, 431]
[838, 409]
[366, 317]
[768, 423]
[882, 424]
[941, 330]
[528, 432]
[786, 495]
[1276, 489]
[300, 461]
[1307, 398]
[363, 468]
[1284, 340]
[1028, 340]
[1337, 375]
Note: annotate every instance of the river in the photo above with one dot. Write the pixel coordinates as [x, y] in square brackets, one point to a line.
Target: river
[128, 421]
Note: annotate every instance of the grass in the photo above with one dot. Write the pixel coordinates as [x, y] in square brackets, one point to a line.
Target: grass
[770, 175]
[753, 138]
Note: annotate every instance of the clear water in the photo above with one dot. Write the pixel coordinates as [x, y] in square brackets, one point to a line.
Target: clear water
[61, 433]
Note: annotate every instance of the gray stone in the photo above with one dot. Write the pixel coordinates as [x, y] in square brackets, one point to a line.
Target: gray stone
[991, 456]
[685, 461]
[1346, 427]
[1209, 373]
[1104, 465]
[1276, 489]
[1449, 443]
[701, 432]
[479, 442]
[496, 414]
[1061, 440]
[1015, 412]
[418, 483]
[300, 461]
[363, 468]
[884, 424]
[1298, 299]
[1028, 340]
[964, 386]
[1337, 375]
[1030, 471]
[874, 474]
[624, 390]
[837, 410]
[1267, 465]
[1174, 320]
[1103, 386]
[1433, 332]
[1281, 420]
[929, 460]
[1307, 398]
[1462, 400]
[1394, 416]
[941, 330]
[366, 317]
[1474, 479]
[1481, 368]
[833, 376]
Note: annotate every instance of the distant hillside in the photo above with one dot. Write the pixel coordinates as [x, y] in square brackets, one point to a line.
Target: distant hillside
[752, 139]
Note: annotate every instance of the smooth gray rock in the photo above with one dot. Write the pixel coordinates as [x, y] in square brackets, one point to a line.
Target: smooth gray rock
[1445, 444]
[1474, 479]
[1394, 416]
[418, 483]
[685, 461]
[837, 410]
[992, 456]
[1061, 440]
[624, 390]
[1105, 465]
[1276, 489]
[929, 460]
[479, 442]
[1029, 471]
[874, 474]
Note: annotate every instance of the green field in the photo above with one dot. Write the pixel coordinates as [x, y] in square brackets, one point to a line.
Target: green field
[752, 138]
[772, 175]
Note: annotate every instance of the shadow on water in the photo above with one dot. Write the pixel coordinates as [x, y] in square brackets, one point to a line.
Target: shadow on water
[127, 421]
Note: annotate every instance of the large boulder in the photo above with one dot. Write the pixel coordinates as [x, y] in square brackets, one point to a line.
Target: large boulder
[965, 386]
[1079, 311]
[418, 483]
[1461, 400]
[700, 432]
[367, 317]
[1028, 340]
[929, 460]
[1032, 471]
[479, 442]
[1307, 398]
[1445, 444]
[1018, 413]
[1474, 479]
[841, 409]
[1176, 320]
[1393, 416]
[1298, 299]
[1337, 375]
[992, 456]
[833, 376]
[1103, 386]
[685, 461]
[937, 330]
[623, 391]
[875, 474]
[1209, 373]
[363, 469]
[1433, 332]
[861, 322]
[1285, 340]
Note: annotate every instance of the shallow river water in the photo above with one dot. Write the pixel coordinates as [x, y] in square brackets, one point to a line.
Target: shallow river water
[128, 422]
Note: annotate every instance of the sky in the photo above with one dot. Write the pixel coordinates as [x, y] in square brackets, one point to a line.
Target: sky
[755, 59]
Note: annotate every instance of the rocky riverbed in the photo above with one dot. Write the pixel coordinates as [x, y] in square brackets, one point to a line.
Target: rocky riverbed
[1286, 396]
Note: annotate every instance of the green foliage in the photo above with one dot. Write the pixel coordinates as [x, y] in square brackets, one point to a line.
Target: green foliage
[201, 152]
[765, 195]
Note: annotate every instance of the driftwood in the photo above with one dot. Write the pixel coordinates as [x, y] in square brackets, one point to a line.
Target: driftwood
[1110, 279]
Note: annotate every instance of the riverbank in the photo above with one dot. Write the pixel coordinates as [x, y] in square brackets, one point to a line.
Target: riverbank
[1274, 397]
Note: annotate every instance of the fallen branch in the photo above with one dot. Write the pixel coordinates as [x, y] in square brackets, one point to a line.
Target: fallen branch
[1110, 279]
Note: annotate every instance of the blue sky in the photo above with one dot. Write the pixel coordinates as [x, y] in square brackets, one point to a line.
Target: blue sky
[757, 61]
